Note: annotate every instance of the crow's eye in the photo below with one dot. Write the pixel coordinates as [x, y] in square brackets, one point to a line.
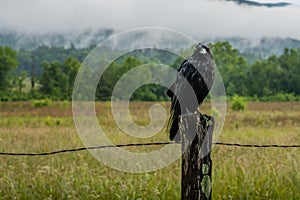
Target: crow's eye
[203, 51]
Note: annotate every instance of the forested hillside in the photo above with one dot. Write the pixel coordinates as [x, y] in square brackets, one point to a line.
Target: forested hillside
[252, 49]
[49, 72]
[31, 41]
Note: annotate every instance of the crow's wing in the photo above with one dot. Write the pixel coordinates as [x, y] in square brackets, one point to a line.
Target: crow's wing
[198, 72]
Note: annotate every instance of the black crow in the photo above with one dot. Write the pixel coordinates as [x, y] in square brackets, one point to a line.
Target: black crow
[197, 71]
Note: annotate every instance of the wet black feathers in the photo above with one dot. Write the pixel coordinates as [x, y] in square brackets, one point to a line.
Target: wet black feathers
[198, 71]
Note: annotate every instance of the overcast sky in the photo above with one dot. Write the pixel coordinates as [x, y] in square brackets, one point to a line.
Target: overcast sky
[198, 18]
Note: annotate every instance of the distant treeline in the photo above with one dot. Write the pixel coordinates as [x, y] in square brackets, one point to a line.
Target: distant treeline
[50, 73]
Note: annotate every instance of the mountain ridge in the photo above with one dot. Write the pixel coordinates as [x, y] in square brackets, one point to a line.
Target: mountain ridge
[260, 48]
[258, 4]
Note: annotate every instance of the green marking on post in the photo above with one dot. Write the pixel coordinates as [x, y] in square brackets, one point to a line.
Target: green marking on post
[206, 186]
[205, 169]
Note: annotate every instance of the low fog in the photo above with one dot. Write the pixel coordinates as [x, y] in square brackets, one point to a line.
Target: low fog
[198, 18]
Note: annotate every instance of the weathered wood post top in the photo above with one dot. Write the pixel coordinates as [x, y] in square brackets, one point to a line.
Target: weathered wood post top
[196, 137]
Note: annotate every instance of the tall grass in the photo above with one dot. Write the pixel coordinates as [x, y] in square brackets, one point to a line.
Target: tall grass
[238, 173]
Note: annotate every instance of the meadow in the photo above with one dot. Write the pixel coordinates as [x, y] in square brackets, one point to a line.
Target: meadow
[238, 173]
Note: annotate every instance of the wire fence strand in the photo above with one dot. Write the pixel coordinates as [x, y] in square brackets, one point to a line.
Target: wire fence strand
[142, 144]
[258, 145]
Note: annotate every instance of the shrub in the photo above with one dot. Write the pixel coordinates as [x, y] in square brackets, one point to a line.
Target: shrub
[52, 121]
[41, 103]
[238, 103]
[4, 96]
[64, 104]
[280, 97]
[215, 112]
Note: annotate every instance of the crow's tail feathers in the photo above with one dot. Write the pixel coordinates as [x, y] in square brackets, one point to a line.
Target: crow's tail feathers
[173, 124]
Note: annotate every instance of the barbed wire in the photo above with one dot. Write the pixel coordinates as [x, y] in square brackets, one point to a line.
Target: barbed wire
[142, 144]
[258, 145]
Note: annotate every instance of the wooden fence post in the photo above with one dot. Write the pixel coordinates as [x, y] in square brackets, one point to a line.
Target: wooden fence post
[196, 137]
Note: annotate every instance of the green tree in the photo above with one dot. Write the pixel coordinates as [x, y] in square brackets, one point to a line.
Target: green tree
[232, 66]
[25, 60]
[290, 62]
[112, 74]
[107, 82]
[57, 79]
[8, 65]
[19, 81]
[265, 77]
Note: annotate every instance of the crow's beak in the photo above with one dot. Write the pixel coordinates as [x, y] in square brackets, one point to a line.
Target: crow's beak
[169, 91]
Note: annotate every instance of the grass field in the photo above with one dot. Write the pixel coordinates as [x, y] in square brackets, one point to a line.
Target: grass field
[238, 173]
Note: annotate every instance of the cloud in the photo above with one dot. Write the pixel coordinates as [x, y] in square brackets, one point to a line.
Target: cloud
[198, 18]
